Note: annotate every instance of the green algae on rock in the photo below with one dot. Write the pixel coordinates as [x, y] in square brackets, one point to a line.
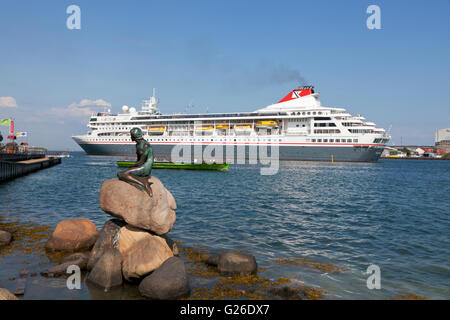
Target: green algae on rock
[218, 287]
[408, 296]
[29, 237]
[234, 262]
[252, 287]
[195, 261]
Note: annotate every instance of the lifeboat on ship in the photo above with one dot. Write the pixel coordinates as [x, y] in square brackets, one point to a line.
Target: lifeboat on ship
[243, 128]
[223, 126]
[266, 124]
[205, 129]
[155, 130]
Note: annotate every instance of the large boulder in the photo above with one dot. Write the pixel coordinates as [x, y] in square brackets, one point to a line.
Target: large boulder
[105, 240]
[79, 259]
[234, 262]
[168, 282]
[5, 238]
[213, 259]
[107, 272]
[141, 251]
[73, 235]
[6, 295]
[124, 201]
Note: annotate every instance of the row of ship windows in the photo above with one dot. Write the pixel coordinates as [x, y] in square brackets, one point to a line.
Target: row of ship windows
[334, 140]
[360, 130]
[240, 140]
[304, 113]
[112, 124]
[298, 120]
[327, 131]
[324, 124]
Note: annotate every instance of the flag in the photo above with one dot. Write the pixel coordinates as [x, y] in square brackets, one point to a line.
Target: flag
[21, 134]
[12, 127]
[5, 122]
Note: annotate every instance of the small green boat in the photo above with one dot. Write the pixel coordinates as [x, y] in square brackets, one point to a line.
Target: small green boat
[185, 166]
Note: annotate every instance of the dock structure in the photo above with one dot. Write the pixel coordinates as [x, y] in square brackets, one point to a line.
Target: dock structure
[19, 156]
[14, 169]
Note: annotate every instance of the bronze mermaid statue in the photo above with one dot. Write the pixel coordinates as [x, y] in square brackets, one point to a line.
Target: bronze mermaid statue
[139, 173]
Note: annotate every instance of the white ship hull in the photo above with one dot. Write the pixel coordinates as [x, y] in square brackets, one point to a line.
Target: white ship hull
[347, 153]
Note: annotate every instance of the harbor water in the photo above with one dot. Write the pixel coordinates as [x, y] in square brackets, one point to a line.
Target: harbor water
[393, 214]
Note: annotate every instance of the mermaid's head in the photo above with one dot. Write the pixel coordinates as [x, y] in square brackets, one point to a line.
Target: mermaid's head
[136, 134]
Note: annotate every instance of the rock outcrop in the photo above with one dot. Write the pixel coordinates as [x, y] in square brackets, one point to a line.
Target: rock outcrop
[135, 245]
[213, 259]
[105, 240]
[5, 238]
[107, 272]
[78, 259]
[168, 282]
[141, 251]
[73, 235]
[234, 262]
[124, 201]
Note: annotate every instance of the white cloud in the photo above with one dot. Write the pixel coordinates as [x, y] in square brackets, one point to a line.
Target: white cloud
[87, 102]
[8, 102]
[80, 109]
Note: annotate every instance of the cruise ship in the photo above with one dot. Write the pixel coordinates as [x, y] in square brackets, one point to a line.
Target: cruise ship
[298, 126]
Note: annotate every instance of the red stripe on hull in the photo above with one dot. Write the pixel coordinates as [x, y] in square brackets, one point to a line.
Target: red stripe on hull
[240, 143]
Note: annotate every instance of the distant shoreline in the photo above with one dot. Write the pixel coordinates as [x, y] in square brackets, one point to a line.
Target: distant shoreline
[412, 158]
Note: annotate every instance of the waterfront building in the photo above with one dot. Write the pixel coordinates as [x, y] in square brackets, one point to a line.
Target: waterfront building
[442, 139]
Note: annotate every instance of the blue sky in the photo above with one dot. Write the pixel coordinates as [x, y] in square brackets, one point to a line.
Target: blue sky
[223, 56]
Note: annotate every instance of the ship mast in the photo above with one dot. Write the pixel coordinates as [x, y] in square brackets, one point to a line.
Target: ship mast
[150, 104]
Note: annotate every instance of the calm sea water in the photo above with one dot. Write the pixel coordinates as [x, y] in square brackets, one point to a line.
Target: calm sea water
[394, 214]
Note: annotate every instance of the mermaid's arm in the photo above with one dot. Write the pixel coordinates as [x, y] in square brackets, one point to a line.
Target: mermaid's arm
[143, 156]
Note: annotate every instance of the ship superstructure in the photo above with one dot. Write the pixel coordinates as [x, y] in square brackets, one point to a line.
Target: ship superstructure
[298, 124]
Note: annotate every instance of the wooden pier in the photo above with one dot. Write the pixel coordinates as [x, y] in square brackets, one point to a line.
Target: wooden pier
[13, 169]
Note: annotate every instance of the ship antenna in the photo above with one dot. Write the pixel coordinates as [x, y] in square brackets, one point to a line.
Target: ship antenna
[152, 102]
[390, 127]
[189, 106]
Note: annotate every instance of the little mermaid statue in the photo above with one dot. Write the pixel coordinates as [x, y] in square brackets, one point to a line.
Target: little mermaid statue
[139, 173]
